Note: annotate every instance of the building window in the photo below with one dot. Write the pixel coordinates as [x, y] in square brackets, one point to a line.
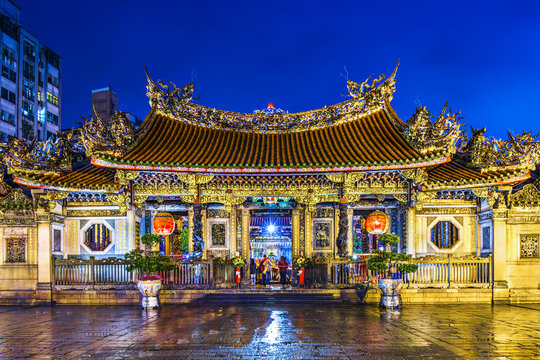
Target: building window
[8, 55]
[15, 250]
[28, 70]
[53, 80]
[97, 237]
[52, 58]
[28, 91]
[57, 240]
[28, 51]
[7, 95]
[52, 99]
[529, 246]
[51, 135]
[9, 74]
[444, 235]
[7, 117]
[3, 137]
[52, 118]
[27, 130]
[28, 110]
[486, 238]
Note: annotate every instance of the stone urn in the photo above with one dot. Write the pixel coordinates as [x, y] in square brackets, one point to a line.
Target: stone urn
[390, 297]
[149, 290]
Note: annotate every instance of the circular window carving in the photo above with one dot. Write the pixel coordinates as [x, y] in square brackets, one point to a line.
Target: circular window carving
[444, 235]
[97, 237]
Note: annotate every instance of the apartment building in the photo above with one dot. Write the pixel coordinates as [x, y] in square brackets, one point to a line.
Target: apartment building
[30, 93]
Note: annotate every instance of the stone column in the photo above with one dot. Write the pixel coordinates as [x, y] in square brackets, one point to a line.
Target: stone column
[341, 240]
[232, 232]
[130, 229]
[501, 292]
[296, 232]
[350, 213]
[44, 255]
[245, 233]
[198, 242]
[411, 226]
[190, 230]
[308, 231]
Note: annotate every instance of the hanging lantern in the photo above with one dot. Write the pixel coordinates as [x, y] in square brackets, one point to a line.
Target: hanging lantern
[377, 223]
[163, 224]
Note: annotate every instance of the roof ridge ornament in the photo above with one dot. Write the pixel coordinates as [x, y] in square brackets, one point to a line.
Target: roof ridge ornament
[50, 157]
[112, 138]
[518, 152]
[176, 102]
[444, 134]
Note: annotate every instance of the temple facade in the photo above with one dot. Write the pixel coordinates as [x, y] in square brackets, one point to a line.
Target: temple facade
[217, 183]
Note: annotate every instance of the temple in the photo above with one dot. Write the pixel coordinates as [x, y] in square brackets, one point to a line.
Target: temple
[217, 183]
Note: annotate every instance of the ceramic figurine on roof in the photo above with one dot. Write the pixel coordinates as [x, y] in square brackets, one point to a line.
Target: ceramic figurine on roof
[114, 138]
[442, 135]
[47, 157]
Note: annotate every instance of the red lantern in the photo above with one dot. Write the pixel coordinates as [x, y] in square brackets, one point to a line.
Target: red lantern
[377, 223]
[163, 224]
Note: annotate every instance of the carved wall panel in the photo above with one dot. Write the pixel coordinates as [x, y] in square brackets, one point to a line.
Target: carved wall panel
[529, 246]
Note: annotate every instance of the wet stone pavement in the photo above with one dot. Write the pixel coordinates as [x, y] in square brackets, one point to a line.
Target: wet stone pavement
[271, 332]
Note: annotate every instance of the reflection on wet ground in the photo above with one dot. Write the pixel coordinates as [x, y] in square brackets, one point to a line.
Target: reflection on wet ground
[271, 332]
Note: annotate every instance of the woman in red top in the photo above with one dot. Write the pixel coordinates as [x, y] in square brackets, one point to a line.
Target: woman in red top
[283, 265]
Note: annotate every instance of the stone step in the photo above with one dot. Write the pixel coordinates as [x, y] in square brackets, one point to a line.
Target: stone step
[270, 297]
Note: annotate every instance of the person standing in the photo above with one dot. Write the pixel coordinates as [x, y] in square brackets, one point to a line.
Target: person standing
[264, 264]
[283, 265]
[253, 271]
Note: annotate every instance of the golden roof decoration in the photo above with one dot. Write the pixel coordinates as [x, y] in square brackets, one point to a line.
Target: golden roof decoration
[443, 134]
[114, 138]
[176, 102]
[518, 152]
[51, 157]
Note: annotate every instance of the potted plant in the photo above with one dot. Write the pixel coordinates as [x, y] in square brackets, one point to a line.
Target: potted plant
[301, 262]
[148, 263]
[238, 263]
[390, 266]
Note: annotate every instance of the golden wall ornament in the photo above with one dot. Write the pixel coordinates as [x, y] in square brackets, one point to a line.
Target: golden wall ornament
[138, 201]
[95, 213]
[53, 197]
[122, 200]
[528, 196]
[419, 176]
[420, 198]
[446, 210]
[122, 177]
[402, 198]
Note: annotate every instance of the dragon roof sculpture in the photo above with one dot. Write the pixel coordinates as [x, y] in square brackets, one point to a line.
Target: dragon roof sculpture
[50, 157]
[176, 102]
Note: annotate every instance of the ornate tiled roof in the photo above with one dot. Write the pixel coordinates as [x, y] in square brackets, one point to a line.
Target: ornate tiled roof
[452, 174]
[88, 177]
[370, 141]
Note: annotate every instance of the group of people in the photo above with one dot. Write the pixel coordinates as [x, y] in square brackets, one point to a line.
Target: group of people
[265, 267]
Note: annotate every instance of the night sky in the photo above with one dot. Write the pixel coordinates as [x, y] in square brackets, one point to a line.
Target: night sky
[483, 57]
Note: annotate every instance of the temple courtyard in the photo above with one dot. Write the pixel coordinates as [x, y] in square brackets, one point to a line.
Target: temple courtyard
[271, 331]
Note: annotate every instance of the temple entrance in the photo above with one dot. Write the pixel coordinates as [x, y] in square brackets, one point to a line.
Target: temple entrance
[270, 233]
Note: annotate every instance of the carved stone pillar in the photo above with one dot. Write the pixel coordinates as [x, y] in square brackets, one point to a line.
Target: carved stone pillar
[198, 242]
[308, 229]
[500, 281]
[296, 232]
[44, 252]
[245, 233]
[190, 230]
[232, 232]
[411, 226]
[350, 213]
[341, 240]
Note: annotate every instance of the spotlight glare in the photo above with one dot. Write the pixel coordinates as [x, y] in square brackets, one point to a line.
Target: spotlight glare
[271, 228]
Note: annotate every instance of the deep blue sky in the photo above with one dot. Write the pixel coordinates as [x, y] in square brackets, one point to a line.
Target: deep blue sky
[484, 57]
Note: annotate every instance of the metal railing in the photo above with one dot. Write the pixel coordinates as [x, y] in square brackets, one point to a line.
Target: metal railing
[432, 272]
[112, 271]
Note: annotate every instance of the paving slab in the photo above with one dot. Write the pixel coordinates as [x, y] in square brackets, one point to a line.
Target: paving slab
[271, 331]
